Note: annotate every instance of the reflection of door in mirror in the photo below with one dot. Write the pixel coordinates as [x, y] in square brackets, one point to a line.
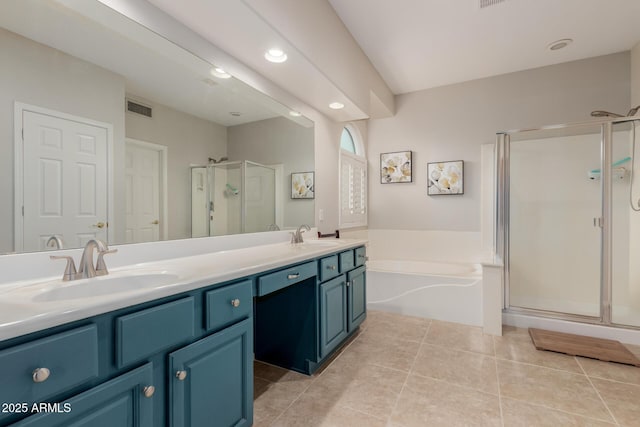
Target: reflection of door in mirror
[260, 197]
[62, 160]
[145, 192]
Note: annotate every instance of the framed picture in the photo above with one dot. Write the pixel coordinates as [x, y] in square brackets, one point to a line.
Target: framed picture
[302, 185]
[445, 178]
[395, 167]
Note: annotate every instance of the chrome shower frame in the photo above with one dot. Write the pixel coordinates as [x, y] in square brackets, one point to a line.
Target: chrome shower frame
[502, 203]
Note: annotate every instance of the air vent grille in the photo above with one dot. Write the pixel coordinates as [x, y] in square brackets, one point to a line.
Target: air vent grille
[487, 3]
[134, 107]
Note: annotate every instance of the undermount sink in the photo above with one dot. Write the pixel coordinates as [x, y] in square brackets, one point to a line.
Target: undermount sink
[104, 285]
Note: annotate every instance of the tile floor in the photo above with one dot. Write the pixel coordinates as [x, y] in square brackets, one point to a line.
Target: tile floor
[402, 371]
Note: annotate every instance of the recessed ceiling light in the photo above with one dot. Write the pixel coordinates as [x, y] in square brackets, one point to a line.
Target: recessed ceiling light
[275, 55]
[220, 73]
[294, 114]
[559, 44]
[336, 105]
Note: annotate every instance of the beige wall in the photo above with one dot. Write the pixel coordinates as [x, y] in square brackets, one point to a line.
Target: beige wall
[190, 140]
[452, 122]
[278, 141]
[38, 75]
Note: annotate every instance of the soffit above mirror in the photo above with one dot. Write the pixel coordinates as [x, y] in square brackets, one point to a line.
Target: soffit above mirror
[324, 64]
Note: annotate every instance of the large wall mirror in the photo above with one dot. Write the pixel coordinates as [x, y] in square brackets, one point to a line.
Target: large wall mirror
[110, 131]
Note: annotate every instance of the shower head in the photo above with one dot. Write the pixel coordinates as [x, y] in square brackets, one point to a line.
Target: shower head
[600, 113]
[633, 111]
[214, 161]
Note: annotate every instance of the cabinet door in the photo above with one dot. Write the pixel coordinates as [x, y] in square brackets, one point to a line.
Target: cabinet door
[119, 402]
[357, 290]
[333, 314]
[211, 380]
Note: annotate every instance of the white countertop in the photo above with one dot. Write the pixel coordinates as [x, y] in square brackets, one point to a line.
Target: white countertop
[23, 310]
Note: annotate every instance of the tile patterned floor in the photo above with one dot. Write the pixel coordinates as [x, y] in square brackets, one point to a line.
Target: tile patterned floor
[402, 371]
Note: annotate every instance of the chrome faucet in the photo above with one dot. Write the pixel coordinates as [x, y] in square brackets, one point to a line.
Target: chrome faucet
[297, 236]
[55, 242]
[87, 269]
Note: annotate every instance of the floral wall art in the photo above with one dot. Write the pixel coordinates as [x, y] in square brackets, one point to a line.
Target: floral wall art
[302, 185]
[445, 178]
[395, 167]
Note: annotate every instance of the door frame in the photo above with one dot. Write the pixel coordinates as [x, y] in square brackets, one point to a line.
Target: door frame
[163, 152]
[19, 108]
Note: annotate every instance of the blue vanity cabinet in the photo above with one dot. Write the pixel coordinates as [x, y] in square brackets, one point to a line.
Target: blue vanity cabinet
[118, 368]
[126, 400]
[343, 303]
[211, 380]
[333, 314]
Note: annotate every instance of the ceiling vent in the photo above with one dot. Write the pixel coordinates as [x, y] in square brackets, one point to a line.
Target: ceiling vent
[487, 3]
[137, 108]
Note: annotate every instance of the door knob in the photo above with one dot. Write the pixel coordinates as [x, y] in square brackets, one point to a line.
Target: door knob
[181, 375]
[235, 302]
[99, 225]
[155, 222]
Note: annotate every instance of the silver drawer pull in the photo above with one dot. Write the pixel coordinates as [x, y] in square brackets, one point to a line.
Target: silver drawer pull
[235, 302]
[181, 375]
[293, 276]
[148, 391]
[331, 267]
[40, 375]
[348, 283]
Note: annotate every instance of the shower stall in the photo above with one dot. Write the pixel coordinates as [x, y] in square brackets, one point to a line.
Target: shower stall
[568, 221]
[231, 198]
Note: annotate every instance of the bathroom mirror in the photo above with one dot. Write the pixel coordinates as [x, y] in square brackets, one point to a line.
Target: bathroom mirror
[103, 123]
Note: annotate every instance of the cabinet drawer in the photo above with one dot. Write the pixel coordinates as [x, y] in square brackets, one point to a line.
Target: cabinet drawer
[148, 331]
[71, 359]
[228, 304]
[346, 261]
[361, 256]
[329, 268]
[283, 278]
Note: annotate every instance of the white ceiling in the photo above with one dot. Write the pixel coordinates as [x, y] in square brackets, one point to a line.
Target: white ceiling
[419, 44]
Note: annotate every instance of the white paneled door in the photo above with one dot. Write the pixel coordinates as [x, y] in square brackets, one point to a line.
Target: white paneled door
[142, 182]
[64, 181]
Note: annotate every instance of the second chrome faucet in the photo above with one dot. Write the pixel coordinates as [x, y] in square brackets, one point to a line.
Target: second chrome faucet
[86, 268]
[296, 237]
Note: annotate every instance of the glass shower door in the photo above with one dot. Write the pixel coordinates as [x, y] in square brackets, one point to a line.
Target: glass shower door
[625, 211]
[554, 206]
[259, 197]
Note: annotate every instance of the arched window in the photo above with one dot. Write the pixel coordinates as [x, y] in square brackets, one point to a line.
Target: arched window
[353, 179]
[346, 141]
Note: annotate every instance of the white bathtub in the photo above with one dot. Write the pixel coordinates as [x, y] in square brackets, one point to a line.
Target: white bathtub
[436, 290]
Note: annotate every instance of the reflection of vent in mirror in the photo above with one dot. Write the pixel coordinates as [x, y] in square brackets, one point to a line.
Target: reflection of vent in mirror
[134, 107]
[487, 3]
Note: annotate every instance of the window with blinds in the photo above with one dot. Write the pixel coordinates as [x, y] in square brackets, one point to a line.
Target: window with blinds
[353, 190]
